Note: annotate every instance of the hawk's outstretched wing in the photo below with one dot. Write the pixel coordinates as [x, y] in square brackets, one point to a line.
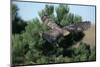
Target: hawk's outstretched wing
[79, 27]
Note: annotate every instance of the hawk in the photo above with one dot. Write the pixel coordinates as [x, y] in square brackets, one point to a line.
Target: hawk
[56, 31]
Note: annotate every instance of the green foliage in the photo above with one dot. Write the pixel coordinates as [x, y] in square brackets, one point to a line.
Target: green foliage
[92, 57]
[33, 38]
[48, 10]
[29, 47]
[82, 53]
[64, 17]
[14, 11]
[19, 49]
[18, 25]
[61, 11]
[70, 19]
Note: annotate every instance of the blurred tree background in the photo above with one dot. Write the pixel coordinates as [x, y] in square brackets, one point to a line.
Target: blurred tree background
[28, 46]
[18, 25]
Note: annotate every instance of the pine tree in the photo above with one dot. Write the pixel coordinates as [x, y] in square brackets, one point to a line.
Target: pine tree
[18, 25]
[29, 47]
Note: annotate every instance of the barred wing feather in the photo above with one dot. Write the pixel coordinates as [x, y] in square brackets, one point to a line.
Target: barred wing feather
[79, 27]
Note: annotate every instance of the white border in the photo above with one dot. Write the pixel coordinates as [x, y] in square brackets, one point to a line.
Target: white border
[5, 33]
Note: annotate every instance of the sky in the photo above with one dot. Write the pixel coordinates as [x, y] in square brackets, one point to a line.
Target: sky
[29, 10]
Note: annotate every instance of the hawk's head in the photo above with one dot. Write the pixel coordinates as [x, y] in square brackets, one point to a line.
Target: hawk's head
[45, 17]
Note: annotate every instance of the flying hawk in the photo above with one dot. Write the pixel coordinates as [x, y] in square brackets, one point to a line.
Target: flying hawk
[56, 31]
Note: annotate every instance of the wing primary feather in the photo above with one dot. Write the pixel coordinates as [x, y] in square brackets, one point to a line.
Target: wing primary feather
[79, 27]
